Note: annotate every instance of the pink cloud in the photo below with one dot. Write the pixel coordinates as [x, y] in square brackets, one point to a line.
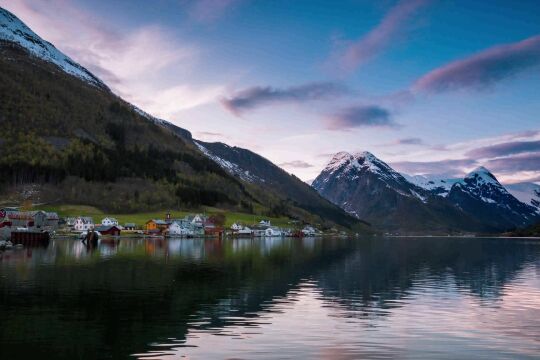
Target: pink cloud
[379, 38]
[483, 69]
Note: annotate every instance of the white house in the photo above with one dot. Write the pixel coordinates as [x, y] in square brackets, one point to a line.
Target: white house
[309, 231]
[245, 232]
[176, 229]
[197, 220]
[109, 221]
[70, 221]
[264, 223]
[236, 227]
[83, 223]
[272, 231]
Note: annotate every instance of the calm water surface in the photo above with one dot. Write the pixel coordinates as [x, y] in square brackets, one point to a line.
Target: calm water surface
[432, 298]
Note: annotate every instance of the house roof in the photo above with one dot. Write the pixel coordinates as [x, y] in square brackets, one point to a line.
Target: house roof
[157, 221]
[105, 228]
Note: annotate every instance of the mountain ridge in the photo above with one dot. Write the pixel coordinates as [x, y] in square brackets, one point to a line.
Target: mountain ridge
[366, 186]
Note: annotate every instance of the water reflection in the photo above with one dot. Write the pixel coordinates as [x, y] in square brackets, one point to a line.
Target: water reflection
[268, 298]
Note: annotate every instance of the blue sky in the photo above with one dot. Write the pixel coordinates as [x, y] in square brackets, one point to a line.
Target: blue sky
[422, 84]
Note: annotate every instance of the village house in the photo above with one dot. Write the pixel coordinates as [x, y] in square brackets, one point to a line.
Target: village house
[111, 230]
[197, 220]
[309, 231]
[236, 227]
[83, 223]
[34, 222]
[109, 221]
[70, 222]
[272, 231]
[11, 217]
[156, 225]
[129, 226]
[180, 228]
[245, 231]
[259, 231]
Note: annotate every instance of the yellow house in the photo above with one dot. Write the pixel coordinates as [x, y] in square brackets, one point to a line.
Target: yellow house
[153, 225]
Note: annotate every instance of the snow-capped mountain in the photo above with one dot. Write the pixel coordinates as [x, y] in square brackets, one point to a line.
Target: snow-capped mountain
[13, 30]
[526, 192]
[367, 187]
[435, 184]
[348, 167]
[481, 195]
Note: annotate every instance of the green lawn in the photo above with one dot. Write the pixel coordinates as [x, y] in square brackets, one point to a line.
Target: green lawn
[141, 218]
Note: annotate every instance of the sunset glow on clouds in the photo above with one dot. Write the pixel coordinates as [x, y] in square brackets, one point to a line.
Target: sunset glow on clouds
[428, 86]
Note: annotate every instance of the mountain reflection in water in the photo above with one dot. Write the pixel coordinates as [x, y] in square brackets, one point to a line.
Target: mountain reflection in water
[272, 298]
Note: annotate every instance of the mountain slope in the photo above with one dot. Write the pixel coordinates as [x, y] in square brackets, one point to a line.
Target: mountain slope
[367, 187]
[480, 195]
[436, 185]
[263, 175]
[13, 31]
[526, 192]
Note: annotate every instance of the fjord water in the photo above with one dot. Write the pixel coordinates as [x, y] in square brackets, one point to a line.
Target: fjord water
[272, 299]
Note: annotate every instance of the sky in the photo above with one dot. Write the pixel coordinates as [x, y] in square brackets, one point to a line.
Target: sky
[430, 87]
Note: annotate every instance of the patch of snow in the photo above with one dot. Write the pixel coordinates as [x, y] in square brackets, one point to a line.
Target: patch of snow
[146, 115]
[527, 192]
[15, 31]
[422, 198]
[231, 168]
[437, 184]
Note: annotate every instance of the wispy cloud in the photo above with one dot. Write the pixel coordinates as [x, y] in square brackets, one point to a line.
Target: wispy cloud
[483, 69]
[378, 39]
[257, 96]
[209, 133]
[521, 162]
[409, 141]
[360, 116]
[505, 149]
[299, 164]
[167, 102]
[207, 11]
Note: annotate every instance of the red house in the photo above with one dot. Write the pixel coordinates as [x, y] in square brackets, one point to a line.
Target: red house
[108, 230]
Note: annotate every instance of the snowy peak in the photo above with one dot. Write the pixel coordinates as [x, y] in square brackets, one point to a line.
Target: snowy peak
[338, 160]
[482, 183]
[14, 31]
[482, 176]
[345, 164]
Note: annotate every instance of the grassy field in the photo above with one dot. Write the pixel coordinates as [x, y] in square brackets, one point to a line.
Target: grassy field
[141, 218]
